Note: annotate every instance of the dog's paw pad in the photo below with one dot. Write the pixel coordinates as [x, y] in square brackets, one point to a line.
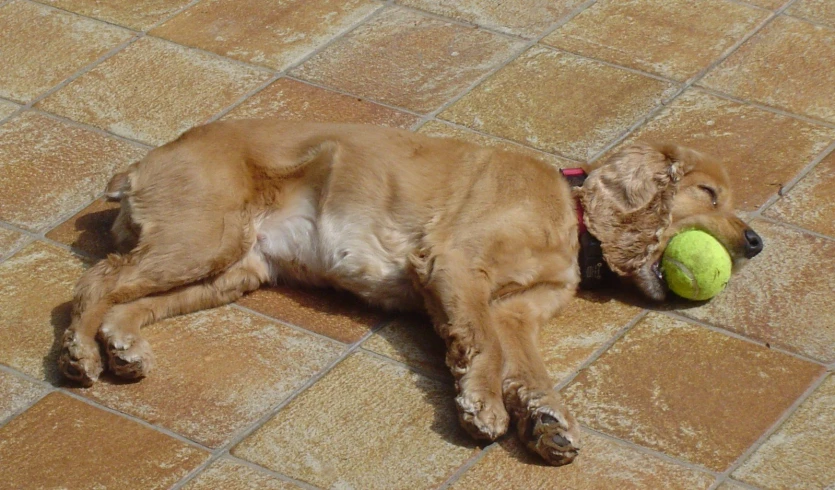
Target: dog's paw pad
[551, 438]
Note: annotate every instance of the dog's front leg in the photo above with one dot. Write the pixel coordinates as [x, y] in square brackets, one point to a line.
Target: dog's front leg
[543, 422]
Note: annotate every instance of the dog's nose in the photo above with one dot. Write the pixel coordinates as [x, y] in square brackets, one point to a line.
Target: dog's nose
[753, 243]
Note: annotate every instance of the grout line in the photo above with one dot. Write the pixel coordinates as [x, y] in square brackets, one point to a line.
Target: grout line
[602, 349]
[292, 326]
[689, 83]
[474, 459]
[787, 187]
[173, 14]
[54, 389]
[268, 415]
[809, 21]
[511, 58]
[636, 71]
[263, 469]
[796, 228]
[771, 430]
[95, 129]
[413, 369]
[14, 373]
[463, 23]
[760, 343]
[55, 8]
[652, 452]
[764, 107]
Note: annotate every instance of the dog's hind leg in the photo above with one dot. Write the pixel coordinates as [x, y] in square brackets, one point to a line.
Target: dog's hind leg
[129, 355]
[163, 260]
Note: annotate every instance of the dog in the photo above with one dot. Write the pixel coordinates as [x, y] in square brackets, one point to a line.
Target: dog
[487, 242]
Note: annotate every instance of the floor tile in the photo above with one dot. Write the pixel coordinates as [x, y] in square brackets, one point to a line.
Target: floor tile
[227, 367]
[822, 11]
[401, 426]
[35, 289]
[582, 327]
[602, 464]
[48, 168]
[768, 69]
[40, 47]
[135, 14]
[589, 103]
[408, 60]
[768, 4]
[264, 32]
[16, 394]
[89, 230]
[672, 38]
[445, 130]
[411, 340]
[9, 240]
[338, 315]
[153, 90]
[228, 475]
[761, 150]
[296, 101]
[783, 296]
[731, 485]
[65, 443]
[809, 203]
[687, 391]
[798, 454]
[527, 18]
[7, 109]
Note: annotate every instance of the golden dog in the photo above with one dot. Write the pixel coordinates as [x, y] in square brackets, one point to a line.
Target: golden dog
[484, 240]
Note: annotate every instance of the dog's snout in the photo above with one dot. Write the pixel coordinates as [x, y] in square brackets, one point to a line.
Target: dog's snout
[753, 243]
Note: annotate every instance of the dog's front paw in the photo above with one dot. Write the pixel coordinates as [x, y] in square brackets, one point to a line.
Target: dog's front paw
[129, 356]
[80, 359]
[550, 436]
[482, 417]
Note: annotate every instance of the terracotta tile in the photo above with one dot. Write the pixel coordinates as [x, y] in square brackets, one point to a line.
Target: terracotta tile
[731, 485]
[527, 18]
[798, 455]
[136, 14]
[401, 426]
[445, 130]
[265, 32]
[296, 101]
[65, 443]
[40, 47]
[9, 240]
[228, 475]
[411, 340]
[768, 4]
[602, 465]
[688, 391]
[227, 367]
[763, 300]
[761, 150]
[35, 290]
[89, 230]
[588, 103]
[583, 326]
[672, 38]
[809, 203]
[7, 109]
[822, 11]
[767, 69]
[408, 60]
[49, 168]
[153, 90]
[16, 393]
[338, 315]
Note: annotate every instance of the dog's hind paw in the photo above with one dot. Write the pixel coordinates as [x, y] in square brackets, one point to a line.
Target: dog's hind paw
[482, 418]
[544, 433]
[129, 357]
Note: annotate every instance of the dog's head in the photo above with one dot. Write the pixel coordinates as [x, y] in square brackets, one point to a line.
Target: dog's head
[642, 196]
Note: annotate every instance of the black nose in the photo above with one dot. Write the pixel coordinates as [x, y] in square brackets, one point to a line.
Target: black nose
[753, 243]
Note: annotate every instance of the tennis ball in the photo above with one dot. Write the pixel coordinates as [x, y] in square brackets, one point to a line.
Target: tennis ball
[695, 265]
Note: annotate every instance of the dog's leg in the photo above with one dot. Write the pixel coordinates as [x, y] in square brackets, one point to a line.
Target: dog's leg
[457, 301]
[161, 261]
[129, 355]
[544, 424]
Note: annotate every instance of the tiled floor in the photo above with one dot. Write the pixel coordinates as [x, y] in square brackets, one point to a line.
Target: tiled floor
[310, 389]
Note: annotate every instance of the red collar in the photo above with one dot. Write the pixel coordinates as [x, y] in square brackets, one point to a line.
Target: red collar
[593, 269]
[575, 177]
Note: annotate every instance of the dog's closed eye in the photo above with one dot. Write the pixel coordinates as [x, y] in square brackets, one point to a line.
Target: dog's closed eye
[714, 197]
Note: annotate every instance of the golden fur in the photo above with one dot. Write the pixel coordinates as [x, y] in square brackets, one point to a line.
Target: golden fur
[483, 240]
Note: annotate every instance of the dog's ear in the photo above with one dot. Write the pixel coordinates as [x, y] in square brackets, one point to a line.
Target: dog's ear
[628, 202]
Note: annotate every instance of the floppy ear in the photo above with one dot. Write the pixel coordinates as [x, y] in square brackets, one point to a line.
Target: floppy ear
[628, 202]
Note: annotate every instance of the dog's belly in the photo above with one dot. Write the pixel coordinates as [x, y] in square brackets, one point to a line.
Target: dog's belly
[339, 249]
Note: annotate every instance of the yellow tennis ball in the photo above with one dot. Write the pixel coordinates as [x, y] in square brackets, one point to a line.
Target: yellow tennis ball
[696, 266]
